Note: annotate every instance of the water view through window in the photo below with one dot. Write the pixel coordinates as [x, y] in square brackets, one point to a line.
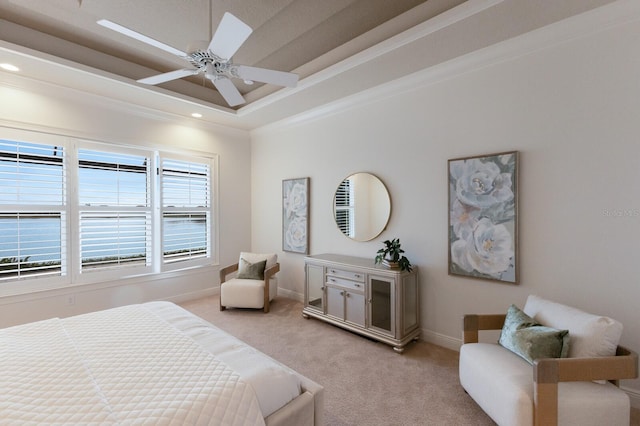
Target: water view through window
[31, 208]
[115, 209]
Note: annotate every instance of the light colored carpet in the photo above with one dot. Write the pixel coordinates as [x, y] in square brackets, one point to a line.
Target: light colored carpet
[366, 383]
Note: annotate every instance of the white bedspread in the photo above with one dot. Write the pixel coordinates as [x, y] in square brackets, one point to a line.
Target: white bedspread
[120, 366]
[273, 384]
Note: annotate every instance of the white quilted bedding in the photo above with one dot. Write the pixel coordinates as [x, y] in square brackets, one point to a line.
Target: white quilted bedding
[120, 366]
[274, 385]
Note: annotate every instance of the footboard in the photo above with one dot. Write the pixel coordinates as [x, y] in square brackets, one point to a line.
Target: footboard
[306, 410]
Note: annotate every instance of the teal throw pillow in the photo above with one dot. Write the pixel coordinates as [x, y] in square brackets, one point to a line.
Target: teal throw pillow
[251, 271]
[523, 336]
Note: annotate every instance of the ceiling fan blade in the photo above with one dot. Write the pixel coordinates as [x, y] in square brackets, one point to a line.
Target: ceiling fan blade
[140, 37]
[229, 36]
[168, 76]
[264, 75]
[228, 91]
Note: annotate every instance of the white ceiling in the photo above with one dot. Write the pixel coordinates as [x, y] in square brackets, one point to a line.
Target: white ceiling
[338, 47]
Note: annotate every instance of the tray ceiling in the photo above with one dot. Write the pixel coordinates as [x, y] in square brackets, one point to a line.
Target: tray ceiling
[301, 36]
[341, 49]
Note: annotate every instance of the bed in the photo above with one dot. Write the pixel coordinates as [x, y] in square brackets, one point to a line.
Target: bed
[152, 363]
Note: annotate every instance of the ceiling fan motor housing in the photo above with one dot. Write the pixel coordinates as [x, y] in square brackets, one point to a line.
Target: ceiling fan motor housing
[213, 66]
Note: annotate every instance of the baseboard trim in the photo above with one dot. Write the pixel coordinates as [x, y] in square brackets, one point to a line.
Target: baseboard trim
[193, 295]
[634, 396]
[290, 294]
[441, 340]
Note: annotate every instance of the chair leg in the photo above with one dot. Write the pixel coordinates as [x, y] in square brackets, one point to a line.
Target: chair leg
[265, 303]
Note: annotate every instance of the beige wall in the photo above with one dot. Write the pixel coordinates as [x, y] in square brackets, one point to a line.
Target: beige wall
[570, 108]
[41, 107]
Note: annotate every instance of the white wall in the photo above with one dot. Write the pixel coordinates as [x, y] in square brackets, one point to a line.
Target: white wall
[37, 106]
[571, 109]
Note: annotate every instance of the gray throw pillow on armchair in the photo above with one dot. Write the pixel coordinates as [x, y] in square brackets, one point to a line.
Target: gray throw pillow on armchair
[523, 336]
[251, 271]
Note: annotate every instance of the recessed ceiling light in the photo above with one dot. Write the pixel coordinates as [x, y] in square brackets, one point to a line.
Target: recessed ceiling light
[196, 115]
[9, 67]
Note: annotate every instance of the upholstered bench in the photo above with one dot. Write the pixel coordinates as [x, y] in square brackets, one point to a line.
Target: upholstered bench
[580, 389]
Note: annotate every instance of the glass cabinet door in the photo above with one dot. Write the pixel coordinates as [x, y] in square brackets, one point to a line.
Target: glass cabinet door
[315, 287]
[381, 308]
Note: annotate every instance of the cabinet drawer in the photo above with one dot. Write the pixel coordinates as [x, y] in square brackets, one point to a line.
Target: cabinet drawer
[350, 284]
[350, 275]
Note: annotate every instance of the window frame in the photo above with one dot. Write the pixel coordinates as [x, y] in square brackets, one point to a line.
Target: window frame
[212, 239]
[71, 274]
[37, 282]
[101, 274]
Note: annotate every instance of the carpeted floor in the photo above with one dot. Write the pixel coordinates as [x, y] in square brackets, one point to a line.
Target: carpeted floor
[366, 383]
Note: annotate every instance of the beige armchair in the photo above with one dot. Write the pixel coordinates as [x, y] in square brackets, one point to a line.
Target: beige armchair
[555, 391]
[253, 286]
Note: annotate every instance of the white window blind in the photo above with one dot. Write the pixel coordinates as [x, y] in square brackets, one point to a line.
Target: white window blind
[114, 209]
[344, 208]
[32, 210]
[74, 211]
[186, 204]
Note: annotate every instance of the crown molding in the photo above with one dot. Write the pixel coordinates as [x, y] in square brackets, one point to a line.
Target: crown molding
[596, 20]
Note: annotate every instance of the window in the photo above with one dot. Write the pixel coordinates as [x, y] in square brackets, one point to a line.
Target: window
[344, 208]
[185, 209]
[83, 211]
[114, 209]
[32, 210]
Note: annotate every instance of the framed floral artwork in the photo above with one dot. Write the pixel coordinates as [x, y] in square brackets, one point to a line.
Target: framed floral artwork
[295, 215]
[483, 217]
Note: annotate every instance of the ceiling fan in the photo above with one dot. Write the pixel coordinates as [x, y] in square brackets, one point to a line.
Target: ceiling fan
[214, 61]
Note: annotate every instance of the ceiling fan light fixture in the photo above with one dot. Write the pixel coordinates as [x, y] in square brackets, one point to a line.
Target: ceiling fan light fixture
[210, 72]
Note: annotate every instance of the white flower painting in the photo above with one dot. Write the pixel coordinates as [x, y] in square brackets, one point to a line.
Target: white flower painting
[483, 217]
[295, 218]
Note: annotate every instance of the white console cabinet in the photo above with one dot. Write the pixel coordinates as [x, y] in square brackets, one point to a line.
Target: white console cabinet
[356, 294]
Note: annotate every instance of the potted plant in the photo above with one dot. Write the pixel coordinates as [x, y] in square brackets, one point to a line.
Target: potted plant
[391, 256]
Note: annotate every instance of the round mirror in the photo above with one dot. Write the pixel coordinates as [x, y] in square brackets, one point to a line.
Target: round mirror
[361, 206]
